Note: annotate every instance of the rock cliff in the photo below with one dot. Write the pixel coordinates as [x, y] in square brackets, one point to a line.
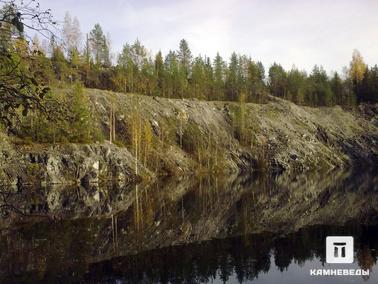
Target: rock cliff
[191, 136]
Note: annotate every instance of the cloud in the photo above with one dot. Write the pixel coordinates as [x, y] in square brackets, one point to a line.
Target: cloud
[289, 32]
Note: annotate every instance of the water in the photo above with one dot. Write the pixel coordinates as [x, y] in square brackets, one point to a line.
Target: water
[260, 229]
[262, 258]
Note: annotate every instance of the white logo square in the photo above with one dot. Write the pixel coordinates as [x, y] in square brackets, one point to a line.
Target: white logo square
[339, 249]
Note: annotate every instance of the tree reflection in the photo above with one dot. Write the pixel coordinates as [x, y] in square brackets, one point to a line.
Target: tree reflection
[257, 224]
[228, 258]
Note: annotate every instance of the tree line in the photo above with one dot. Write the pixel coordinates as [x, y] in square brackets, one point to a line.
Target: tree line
[179, 74]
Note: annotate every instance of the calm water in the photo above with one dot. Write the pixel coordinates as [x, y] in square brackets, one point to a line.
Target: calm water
[256, 229]
[263, 258]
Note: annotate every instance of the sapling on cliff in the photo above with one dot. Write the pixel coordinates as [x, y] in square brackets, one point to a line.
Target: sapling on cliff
[112, 120]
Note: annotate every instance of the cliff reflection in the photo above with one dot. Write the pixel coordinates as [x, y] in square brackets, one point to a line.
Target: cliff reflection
[266, 221]
[243, 259]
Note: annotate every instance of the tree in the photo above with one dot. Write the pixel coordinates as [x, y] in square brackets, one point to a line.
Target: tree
[277, 81]
[107, 55]
[319, 90]
[255, 80]
[172, 78]
[147, 79]
[71, 33]
[159, 74]
[232, 82]
[8, 14]
[357, 69]
[337, 89]
[72, 41]
[81, 122]
[242, 74]
[137, 67]
[40, 63]
[296, 85]
[59, 62]
[99, 46]
[21, 89]
[219, 77]
[184, 56]
[198, 78]
[369, 85]
[127, 67]
[208, 79]
[138, 54]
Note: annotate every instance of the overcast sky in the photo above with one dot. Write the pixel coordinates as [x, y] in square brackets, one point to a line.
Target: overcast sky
[289, 32]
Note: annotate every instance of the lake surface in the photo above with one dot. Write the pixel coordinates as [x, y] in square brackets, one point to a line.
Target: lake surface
[260, 229]
[263, 258]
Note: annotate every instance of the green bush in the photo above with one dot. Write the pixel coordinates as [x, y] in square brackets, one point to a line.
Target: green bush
[74, 122]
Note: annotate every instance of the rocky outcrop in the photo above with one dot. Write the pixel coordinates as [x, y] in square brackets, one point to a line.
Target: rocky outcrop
[279, 134]
[68, 164]
[191, 136]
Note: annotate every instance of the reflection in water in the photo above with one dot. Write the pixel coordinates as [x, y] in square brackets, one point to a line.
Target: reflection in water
[268, 224]
[242, 259]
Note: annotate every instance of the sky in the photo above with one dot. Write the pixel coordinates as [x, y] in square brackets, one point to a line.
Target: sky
[289, 32]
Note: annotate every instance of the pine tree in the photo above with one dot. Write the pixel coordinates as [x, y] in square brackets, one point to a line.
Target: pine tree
[198, 78]
[219, 77]
[277, 81]
[172, 75]
[127, 67]
[81, 125]
[319, 90]
[255, 81]
[209, 80]
[99, 46]
[148, 81]
[59, 62]
[232, 84]
[369, 85]
[337, 89]
[159, 74]
[296, 85]
[138, 54]
[184, 56]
